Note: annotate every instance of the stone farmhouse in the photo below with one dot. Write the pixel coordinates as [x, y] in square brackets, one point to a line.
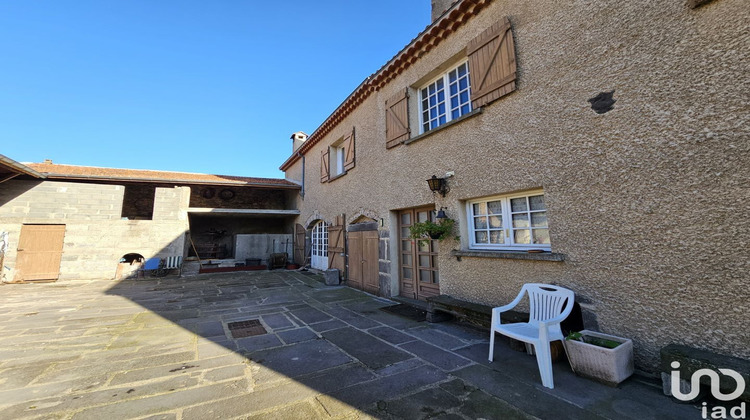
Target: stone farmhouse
[78, 222]
[598, 145]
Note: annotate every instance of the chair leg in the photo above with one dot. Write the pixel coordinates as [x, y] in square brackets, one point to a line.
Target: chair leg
[530, 349]
[544, 360]
[492, 344]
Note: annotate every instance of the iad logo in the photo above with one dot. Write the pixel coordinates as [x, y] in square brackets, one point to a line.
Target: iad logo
[717, 412]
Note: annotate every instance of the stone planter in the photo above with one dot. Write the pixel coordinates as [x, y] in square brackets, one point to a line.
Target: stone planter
[610, 366]
[331, 277]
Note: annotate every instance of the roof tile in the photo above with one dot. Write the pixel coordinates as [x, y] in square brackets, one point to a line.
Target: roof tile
[57, 171]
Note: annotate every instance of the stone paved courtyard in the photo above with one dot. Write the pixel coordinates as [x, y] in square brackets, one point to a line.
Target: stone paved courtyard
[161, 349]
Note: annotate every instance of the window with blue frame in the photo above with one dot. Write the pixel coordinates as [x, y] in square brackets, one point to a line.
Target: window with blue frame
[445, 98]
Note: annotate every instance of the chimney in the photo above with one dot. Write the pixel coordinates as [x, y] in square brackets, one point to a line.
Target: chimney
[298, 139]
[440, 6]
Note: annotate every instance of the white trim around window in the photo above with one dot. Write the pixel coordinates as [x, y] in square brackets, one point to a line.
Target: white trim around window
[336, 164]
[445, 98]
[509, 222]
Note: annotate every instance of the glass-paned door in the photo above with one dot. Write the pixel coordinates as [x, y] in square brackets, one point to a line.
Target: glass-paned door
[418, 265]
[319, 252]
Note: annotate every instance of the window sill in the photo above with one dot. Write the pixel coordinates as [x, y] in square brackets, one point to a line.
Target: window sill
[444, 126]
[335, 177]
[511, 255]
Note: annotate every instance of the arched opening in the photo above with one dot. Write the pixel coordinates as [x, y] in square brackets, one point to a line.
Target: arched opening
[319, 251]
[132, 258]
[363, 219]
[128, 265]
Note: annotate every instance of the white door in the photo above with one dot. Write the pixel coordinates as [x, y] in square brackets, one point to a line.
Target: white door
[319, 252]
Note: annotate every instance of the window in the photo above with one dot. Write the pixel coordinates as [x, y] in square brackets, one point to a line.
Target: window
[509, 222]
[488, 74]
[338, 158]
[138, 202]
[338, 155]
[446, 98]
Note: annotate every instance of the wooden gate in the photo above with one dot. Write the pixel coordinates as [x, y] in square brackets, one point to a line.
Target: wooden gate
[417, 259]
[336, 246]
[363, 260]
[39, 252]
[299, 244]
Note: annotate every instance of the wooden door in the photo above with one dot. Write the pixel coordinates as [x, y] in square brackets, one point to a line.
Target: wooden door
[356, 257]
[363, 260]
[419, 278]
[39, 252]
[299, 244]
[370, 266]
[337, 246]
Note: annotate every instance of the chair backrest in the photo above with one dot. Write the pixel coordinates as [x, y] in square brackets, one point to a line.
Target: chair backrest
[547, 301]
[173, 262]
[151, 264]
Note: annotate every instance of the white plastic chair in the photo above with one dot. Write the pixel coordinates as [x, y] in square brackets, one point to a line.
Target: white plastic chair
[548, 307]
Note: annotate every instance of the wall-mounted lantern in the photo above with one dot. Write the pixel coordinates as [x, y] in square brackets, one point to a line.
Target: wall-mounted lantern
[438, 185]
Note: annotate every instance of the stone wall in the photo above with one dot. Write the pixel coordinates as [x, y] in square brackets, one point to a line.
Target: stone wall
[646, 202]
[95, 235]
[60, 200]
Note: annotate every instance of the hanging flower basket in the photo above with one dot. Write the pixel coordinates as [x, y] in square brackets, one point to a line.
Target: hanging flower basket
[438, 231]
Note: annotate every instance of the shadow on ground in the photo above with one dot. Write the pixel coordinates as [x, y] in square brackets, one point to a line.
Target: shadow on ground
[326, 352]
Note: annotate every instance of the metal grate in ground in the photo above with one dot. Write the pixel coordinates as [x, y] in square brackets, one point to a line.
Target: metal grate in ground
[248, 328]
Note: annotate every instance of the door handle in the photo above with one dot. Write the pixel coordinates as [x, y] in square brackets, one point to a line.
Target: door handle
[20, 249]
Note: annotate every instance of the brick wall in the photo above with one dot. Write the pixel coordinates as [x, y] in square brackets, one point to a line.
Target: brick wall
[244, 198]
[138, 202]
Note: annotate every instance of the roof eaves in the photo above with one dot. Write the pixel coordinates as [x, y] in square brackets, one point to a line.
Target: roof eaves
[19, 167]
[430, 37]
[285, 184]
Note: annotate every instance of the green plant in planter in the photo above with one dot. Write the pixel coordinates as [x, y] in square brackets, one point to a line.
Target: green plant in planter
[424, 230]
[595, 341]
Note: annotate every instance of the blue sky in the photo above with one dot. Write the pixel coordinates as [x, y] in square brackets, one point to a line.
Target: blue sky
[198, 86]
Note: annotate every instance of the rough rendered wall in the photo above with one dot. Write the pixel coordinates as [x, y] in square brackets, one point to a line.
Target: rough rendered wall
[95, 236]
[647, 202]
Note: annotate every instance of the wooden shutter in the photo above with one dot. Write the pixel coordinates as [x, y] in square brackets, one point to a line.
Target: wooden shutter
[299, 244]
[336, 247]
[324, 166]
[397, 119]
[492, 64]
[348, 146]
